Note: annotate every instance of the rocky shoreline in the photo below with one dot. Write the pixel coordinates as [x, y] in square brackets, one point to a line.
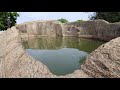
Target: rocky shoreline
[16, 63]
[104, 62]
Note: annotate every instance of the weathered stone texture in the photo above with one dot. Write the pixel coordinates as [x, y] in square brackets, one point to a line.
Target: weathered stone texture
[103, 62]
[16, 63]
[42, 28]
[97, 29]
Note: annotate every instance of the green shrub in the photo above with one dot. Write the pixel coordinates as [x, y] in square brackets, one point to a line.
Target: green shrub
[111, 17]
[8, 19]
[79, 21]
[62, 20]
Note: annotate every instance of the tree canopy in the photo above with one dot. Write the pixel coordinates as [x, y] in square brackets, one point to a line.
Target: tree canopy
[108, 16]
[62, 20]
[7, 19]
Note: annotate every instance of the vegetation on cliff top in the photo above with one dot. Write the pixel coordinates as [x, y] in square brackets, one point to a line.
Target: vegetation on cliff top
[62, 20]
[80, 21]
[108, 16]
[7, 19]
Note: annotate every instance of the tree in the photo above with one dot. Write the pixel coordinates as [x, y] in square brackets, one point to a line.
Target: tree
[108, 16]
[62, 20]
[79, 21]
[7, 19]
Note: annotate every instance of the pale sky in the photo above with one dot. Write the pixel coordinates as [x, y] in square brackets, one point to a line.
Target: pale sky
[70, 16]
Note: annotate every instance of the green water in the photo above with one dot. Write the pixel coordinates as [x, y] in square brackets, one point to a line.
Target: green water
[61, 55]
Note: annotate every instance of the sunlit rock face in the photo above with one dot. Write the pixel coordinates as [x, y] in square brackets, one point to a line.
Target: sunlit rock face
[42, 28]
[69, 30]
[16, 63]
[47, 28]
[103, 62]
[97, 29]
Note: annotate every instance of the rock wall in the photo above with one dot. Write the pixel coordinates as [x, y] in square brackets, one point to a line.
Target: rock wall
[16, 63]
[42, 28]
[104, 62]
[46, 28]
[97, 29]
[69, 30]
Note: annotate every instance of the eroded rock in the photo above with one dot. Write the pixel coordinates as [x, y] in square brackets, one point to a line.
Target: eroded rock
[16, 63]
[96, 29]
[42, 28]
[104, 61]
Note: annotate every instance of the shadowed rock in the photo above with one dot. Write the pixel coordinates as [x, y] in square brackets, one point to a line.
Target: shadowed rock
[103, 62]
[97, 29]
[16, 63]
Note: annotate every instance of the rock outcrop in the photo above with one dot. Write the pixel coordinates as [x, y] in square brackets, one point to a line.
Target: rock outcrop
[97, 29]
[16, 63]
[42, 28]
[69, 30]
[1, 32]
[103, 62]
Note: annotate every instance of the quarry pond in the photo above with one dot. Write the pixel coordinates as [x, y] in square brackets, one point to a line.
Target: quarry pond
[62, 55]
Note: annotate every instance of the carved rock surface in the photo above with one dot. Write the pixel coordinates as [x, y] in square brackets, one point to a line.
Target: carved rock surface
[16, 63]
[97, 29]
[103, 62]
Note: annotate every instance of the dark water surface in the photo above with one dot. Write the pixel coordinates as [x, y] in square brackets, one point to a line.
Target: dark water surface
[61, 55]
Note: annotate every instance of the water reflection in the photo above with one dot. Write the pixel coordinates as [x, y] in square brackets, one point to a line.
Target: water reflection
[61, 55]
[50, 43]
[61, 61]
[43, 43]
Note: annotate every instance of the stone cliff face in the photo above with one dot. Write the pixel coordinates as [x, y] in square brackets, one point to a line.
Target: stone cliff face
[69, 30]
[97, 29]
[42, 28]
[103, 62]
[16, 63]
[47, 28]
